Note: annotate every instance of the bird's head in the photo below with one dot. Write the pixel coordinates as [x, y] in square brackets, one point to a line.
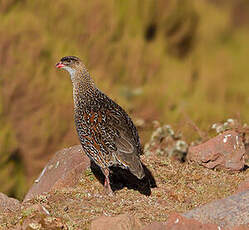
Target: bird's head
[77, 71]
[70, 63]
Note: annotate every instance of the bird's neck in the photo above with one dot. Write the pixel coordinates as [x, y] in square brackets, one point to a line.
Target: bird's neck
[83, 87]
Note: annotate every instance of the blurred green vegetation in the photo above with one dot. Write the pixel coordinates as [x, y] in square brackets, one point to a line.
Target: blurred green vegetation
[161, 60]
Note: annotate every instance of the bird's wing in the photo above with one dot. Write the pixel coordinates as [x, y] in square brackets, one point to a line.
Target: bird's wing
[126, 141]
[126, 137]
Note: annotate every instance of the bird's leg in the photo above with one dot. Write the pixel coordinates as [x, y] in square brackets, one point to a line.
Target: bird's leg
[107, 182]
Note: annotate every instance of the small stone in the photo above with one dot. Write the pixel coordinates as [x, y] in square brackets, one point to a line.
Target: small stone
[120, 222]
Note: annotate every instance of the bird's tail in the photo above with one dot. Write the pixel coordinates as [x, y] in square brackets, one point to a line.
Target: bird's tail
[136, 168]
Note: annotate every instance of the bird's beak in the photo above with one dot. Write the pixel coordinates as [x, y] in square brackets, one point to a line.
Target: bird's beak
[59, 65]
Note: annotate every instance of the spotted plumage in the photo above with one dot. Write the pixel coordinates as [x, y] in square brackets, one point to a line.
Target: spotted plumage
[106, 132]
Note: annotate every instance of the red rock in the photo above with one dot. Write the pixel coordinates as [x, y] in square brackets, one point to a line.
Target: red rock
[155, 226]
[178, 222]
[224, 151]
[243, 186]
[120, 222]
[63, 170]
[8, 204]
[229, 212]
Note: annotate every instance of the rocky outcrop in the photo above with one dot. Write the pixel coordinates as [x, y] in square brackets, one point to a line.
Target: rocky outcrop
[63, 170]
[8, 204]
[227, 212]
[223, 151]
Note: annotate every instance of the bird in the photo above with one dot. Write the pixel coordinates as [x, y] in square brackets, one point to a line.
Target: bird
[106, 132]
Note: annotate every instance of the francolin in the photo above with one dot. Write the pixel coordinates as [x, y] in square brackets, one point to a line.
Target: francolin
[107, 134]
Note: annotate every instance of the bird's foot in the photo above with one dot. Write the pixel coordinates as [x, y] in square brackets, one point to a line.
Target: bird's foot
[109, 192]
[108, 189]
